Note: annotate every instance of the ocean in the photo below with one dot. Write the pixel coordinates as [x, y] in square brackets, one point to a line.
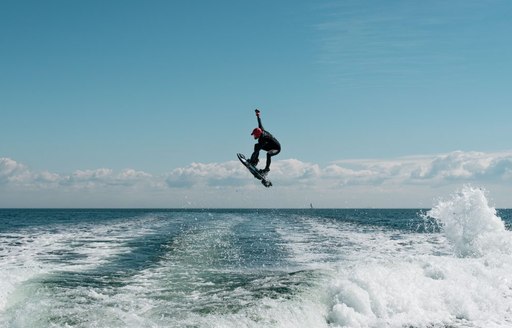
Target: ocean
[447, 266]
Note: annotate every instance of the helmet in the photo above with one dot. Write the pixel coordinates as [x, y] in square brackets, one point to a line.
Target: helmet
[257, 133]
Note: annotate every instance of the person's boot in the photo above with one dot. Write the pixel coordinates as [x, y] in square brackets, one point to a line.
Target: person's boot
[264, 171]
[253, 162]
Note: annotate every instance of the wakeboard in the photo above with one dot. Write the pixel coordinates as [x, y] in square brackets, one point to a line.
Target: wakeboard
[254, 171]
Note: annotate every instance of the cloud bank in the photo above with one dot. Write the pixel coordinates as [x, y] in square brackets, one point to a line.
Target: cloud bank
[398, 182]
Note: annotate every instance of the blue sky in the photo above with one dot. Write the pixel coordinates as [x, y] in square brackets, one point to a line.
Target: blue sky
[105, 90]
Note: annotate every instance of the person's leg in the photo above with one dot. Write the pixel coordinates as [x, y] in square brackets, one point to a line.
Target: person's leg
[270, 153]
[254, 157]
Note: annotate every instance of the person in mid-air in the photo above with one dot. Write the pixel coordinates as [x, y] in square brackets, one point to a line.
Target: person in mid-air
[266, 141]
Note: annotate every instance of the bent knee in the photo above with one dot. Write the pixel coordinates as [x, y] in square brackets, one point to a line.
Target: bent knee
[273, 152]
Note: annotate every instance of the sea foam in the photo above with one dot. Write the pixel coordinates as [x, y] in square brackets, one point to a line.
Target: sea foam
[471, 225]
[468, 286]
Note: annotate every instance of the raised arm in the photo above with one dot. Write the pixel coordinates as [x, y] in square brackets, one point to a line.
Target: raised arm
[259, 120]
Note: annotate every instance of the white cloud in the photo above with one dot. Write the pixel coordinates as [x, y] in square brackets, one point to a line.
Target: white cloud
[10, 170]
[466, 166]
[105, 177]
[357, 182]
[18, 175]
[436, 169]
[213, 174]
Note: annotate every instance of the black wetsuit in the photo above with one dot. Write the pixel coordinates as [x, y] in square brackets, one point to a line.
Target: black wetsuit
[266, 142]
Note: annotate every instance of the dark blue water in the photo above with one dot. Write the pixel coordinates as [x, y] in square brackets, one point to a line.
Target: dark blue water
[245, 268]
